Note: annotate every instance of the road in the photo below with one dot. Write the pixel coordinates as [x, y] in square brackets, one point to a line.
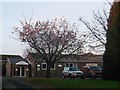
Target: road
[14, 84]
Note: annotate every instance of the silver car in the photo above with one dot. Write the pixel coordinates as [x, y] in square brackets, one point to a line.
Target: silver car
[72, 72]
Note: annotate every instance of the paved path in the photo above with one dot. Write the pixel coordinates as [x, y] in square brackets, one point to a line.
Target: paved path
[14, 84]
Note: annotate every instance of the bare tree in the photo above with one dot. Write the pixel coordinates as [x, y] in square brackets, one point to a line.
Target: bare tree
[98, 28]
[51, 39]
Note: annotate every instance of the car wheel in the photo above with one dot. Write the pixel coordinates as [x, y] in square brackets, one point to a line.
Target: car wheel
[74, 77]
[82, 77]
[63, 77]
[92, 76]
[70, 76]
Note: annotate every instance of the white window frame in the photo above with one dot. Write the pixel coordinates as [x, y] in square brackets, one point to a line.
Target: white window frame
[54, 67]
[42, 66]
[76, 65]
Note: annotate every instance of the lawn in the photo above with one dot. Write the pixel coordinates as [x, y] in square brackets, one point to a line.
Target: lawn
[74, 83]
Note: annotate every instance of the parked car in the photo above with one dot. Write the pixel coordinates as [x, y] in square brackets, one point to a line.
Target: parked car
[71, 72]
[92, 72]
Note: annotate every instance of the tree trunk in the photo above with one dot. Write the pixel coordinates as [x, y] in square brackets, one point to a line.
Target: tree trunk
[111, 67]
[111, 58]
[48, 73]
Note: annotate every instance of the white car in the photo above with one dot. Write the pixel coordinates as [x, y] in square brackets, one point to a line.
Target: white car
[72, 72]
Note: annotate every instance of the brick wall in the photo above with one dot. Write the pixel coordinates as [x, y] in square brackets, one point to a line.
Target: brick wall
[33, 65]
[8, 69]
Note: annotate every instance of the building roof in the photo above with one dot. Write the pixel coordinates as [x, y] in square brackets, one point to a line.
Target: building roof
[83, 58]
[5, 56]
[17, 59]
[14, 59]
[88, 57]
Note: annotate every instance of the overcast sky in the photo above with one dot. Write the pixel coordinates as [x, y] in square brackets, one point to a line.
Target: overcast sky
[13, 12]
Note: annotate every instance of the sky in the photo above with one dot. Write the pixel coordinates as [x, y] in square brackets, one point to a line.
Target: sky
[13, 12]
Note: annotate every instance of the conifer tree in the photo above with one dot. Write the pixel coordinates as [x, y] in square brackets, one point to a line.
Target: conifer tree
[111, 58]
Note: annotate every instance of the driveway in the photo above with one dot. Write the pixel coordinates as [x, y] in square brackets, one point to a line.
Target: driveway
[16, 84]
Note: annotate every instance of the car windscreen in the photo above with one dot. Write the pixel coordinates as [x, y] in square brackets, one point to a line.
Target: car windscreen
[95, 68]
[74, 69]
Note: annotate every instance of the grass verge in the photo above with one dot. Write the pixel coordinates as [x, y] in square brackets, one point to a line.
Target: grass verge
[74, 83]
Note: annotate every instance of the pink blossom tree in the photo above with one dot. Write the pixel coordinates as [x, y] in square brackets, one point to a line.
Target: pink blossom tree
[53, 40]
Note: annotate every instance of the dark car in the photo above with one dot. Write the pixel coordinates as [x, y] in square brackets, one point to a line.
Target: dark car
[92, 72]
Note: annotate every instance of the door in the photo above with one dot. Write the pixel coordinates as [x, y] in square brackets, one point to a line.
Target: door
[18, 71]
[21, 71]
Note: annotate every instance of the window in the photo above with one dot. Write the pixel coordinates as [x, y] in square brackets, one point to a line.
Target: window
[91, 64]
[60, 65]
[14, 71]
[69, 65]
[44, 66]
[53, 67]
[38, 67]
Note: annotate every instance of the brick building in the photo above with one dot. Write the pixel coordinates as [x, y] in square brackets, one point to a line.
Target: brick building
[34, 66]
[15, 66]
[40, 66]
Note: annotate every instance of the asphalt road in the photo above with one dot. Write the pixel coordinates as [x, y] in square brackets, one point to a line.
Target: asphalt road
[13, 84]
